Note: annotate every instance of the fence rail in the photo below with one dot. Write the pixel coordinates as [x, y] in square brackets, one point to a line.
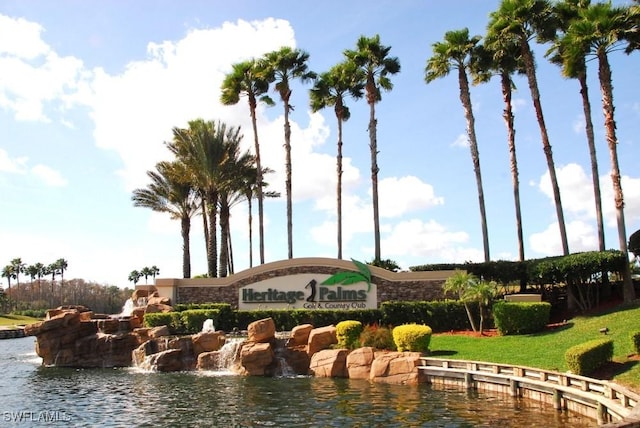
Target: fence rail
[607, 402]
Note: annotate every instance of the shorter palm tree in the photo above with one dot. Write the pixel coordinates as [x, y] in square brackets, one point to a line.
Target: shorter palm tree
[134, 276]
[483, 293]
[459, 284]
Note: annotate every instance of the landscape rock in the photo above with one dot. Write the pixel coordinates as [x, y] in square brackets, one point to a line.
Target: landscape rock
[329, 363]
[262, 331]
[321, 338]
[300, 335]
[396, 367]
[359, 363]
[207, 341]
[255, 358]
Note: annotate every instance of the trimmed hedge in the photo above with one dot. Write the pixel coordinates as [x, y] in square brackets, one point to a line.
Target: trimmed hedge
[521, 317]
[348, 334]
[171, 319]
[442, 316]
[584, 358]
[635, 340]
[412, 337]
[193, 319]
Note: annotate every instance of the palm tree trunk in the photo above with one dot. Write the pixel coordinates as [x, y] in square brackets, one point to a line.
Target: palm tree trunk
[465, 98]
[250, 208]
[212, 247]
[252, 108]
[604, 73]
[205, 225]
[339, 188]
[186, 252]
[373, 147]
[224, 237]
[595, 175]
[535, 96]
[513, 160]
[230, 248]
[287, 149]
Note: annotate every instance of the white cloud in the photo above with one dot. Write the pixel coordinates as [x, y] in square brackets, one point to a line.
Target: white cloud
[578, 125]
[135, 111]
[406, 194]
[518, 103]
[33, 75]
[461, 140]
[17, 165]
[21, 38]
[581, 236]
[429, 240]
[49, 176]
[576, 191]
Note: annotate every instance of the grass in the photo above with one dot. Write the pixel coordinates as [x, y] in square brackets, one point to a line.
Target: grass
[546, 349]
[10, 320]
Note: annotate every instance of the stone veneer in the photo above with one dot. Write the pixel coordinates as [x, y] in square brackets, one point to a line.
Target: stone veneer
[403, 286]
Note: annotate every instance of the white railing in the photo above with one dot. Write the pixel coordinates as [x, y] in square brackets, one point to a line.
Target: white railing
[603, 400]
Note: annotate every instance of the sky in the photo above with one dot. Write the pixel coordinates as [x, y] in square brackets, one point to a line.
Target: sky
[90, 93]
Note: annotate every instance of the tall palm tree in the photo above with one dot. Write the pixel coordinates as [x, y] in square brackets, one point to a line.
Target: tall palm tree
[134, 276]
[331, 89]
[201, 148]
[169, 193]
[504, 59]
[232, 171]
[566, 11]
[456, 52]
[18, 268]
[373, 59]
[61, 266]
[40, 272]
[599, 30]
[246, 79]
[282, 67]
[520, 21]
[9, 273]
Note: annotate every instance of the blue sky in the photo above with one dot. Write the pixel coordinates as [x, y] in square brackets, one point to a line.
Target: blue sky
[89, 91]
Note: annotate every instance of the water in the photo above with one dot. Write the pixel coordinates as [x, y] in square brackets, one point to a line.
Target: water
[129, 397]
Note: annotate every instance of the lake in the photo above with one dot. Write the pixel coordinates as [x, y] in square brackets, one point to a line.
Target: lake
[32, 395]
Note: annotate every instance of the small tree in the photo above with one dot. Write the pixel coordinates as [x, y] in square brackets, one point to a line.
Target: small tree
[481, 292]
[460, 283]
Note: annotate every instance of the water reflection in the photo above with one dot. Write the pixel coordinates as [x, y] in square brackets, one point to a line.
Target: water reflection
[125, 397]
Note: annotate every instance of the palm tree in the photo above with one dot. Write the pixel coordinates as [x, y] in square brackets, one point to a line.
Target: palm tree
[232, 172]
[567, 11]
[599, 30]
[373, 59]
[134, 276]
[282, 67]
[146, 272]
[9, 273]
[459, 283]
[169, 193]
[503, 59]
[519, 21]
[201, 148]
[456, 52]
[330, 89]
[61, 266]
[18, 268]
[52, 269]
[483, 293]
[155, 270]
[246, 79]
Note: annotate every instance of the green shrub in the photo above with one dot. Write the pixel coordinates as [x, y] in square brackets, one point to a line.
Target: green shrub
[584, 358]
[521, 317]
[441, 316]
[412, 337]
[193, 319]
[377, 337]
[348, 334]
[635, 340]
[170, 319]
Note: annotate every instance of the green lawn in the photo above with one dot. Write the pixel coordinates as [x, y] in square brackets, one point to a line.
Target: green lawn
[10, 320]
[546, 350]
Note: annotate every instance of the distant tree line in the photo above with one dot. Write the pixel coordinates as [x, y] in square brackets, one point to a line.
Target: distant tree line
[39, 286]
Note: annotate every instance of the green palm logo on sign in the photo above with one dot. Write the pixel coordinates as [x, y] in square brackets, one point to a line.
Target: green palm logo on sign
[349, 278]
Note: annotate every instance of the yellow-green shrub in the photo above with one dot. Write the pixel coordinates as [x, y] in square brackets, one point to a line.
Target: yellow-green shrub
[584, 358]
[348, 334]
[412, 337]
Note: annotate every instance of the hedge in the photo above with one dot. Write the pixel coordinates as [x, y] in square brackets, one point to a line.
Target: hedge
[635, 340]
[348, 334]
[584, 358]
[521, 317]
[412, 337]
[441, 316]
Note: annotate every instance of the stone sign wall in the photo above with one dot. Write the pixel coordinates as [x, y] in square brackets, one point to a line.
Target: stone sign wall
[387, 286]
